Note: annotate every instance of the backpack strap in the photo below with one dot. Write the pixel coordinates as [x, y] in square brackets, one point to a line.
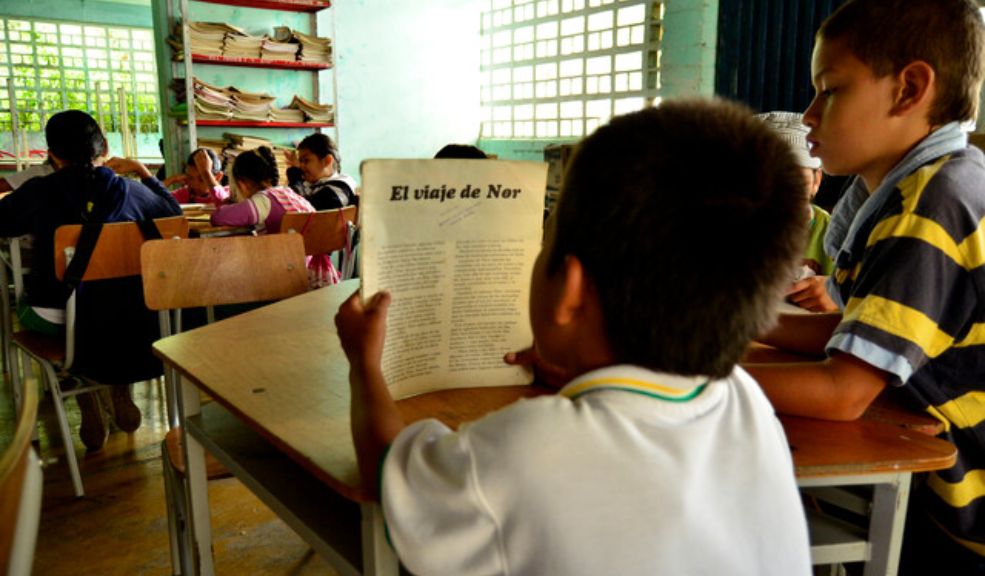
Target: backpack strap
[149, 230]
[76, 268]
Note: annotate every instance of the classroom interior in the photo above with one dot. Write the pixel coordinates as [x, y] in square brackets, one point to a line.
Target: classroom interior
[406, 79]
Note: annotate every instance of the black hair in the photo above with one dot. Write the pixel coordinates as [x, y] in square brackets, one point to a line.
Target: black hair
[75, 138]
[949, 35]
[321, 146]
[689, 264]
[460, 151]
[258, 166]
[213, 158]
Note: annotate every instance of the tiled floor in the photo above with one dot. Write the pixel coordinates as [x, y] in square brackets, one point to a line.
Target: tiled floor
[120, 527]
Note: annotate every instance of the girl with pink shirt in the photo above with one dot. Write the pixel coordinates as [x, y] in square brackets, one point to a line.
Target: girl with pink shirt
[261, 201]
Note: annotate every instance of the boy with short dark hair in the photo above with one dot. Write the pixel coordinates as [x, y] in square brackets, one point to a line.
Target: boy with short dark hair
[895, 79]
[661, 456]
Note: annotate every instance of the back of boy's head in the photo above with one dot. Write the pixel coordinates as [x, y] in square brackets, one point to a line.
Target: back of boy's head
[948, 35]
[75, 138]
[466, 151]
[688, 219]
[321, 146]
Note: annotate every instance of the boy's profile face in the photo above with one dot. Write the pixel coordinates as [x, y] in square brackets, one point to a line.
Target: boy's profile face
[850, 115]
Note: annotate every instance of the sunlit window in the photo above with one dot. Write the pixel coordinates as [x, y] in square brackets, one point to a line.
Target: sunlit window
[56, 66]
[555, 69]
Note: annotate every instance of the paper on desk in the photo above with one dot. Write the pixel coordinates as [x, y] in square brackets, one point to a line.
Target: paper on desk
[454, 242]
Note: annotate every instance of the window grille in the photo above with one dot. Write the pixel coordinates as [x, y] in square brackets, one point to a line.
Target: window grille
[57, 66]
[555, 69]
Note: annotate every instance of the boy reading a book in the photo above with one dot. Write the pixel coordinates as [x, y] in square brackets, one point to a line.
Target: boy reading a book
[895, 79]
[660, 456]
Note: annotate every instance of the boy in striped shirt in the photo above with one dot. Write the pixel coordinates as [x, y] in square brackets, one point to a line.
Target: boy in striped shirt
[660, 456]
[894, 81]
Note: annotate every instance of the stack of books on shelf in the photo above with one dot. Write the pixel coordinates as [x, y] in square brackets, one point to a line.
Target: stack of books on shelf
[208, 38]
[313, 112]
[313, 48]
[212, 102]
[254, 106]
[242, 46]
[286, 115]
[274, 50]
[231, 103]
[236, 143]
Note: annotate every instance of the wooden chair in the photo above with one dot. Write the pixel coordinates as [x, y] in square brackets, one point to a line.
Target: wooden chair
[116, 255]
[20, 492]
[209, 272]
[324, 232]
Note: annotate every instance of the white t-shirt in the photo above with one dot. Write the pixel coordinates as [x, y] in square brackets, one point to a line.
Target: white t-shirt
[625, 471]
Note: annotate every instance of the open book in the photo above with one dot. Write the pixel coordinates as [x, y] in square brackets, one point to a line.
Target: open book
[454, 241]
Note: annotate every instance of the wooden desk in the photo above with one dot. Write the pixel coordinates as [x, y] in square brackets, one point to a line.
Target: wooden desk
[280, 381]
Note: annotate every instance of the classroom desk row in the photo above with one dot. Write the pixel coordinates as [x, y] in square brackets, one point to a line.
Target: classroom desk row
[280, 422]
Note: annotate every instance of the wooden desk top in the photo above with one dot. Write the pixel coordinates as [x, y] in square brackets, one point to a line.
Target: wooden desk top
[281, 369]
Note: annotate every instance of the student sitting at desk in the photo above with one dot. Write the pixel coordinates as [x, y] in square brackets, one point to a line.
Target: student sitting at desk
[262, 202]
[79, 191]
[203, 174]
[314, 173]
[895, 80]
[661, 456]
[808, 290]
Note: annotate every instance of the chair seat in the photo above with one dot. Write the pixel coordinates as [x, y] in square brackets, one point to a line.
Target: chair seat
[50, 348]
[213, 468]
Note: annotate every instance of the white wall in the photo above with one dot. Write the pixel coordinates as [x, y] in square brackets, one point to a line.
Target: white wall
[408, 77]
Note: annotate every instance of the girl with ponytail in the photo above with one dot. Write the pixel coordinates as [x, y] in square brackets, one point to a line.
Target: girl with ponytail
[261, 201]
[83, 189]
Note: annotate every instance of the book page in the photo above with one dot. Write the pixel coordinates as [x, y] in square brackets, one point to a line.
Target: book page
[454, 242]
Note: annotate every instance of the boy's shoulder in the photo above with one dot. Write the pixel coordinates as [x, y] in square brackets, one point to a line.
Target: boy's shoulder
[957, 178]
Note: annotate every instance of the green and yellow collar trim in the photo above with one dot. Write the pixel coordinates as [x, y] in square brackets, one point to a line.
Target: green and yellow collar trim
[596, 382]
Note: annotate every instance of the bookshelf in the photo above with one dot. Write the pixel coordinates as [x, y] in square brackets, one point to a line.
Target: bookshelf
[182, 130]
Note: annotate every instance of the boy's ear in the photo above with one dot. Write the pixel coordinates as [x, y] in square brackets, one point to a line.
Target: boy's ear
[916, 87]
[573, 291]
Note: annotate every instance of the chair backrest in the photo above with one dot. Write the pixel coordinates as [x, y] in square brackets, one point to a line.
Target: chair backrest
[117, 251]
[214, 271]
[20, 491]
[323, 231]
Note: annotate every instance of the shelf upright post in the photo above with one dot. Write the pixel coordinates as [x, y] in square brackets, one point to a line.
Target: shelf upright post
[186, 45]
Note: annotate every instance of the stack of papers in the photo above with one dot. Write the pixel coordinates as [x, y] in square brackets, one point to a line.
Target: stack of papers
[242, 46]
[254, 106]
[286, 115]
[314, 49]
[236, 143]
[313, 112]
[274, 50]
[208, 38]
[212, 102]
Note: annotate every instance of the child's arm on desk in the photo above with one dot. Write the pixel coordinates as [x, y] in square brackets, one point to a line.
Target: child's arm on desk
[375, 419]
[803, 333]
[838, 388]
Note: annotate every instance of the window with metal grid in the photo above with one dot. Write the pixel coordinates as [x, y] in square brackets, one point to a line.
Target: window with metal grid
[555, 69]
[56, 66]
